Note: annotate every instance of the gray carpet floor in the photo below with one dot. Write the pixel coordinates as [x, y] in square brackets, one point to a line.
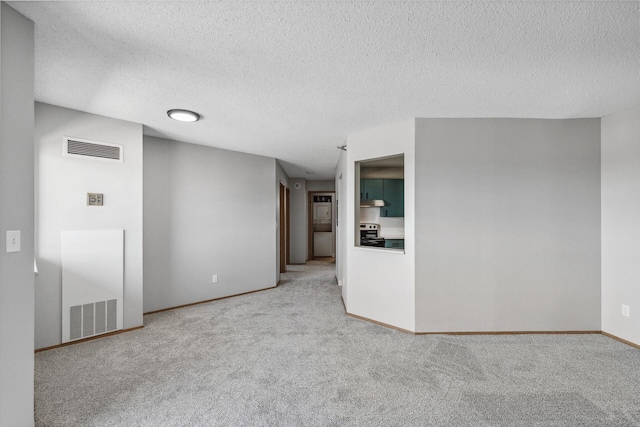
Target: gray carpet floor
[290, 357]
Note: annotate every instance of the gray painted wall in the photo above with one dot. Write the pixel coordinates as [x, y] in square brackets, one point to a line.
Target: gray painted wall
[621, 223]
[206, 211]
[326, 185]
[61, 187]
[298, 221]
[157, 208]
[16, 213]
[507, 225]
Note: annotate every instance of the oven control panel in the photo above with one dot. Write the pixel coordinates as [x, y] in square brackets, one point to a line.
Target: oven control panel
[368, 226]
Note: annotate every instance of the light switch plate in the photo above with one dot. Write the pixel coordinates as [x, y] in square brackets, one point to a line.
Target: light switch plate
[13, 240]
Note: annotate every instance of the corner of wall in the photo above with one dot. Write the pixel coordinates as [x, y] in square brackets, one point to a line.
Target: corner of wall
[381, 284]
[16, 213]
[620, 219]
[207, 212]
[62, 185]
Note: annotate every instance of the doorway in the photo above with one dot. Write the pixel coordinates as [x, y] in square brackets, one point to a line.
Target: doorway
[321, 225]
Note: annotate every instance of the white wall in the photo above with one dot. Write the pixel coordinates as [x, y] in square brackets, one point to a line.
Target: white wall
[281, 178]
[381, 284]
[16, 213]
[621, 223]
[207, 211]
[341, 224]
[61, 187]
[508, 225]
[325, 185]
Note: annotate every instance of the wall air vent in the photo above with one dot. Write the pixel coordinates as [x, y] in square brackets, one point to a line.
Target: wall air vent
[75, 147]
[86, 320]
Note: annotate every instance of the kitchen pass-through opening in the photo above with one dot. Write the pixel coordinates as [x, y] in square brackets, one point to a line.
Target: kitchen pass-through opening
[380, 187]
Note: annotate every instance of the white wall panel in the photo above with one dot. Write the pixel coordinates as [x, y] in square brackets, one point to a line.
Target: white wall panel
[381, 283]
[92, 272]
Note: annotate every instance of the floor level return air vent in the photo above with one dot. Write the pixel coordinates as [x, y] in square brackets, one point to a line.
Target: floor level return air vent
[75, 147]
[92, 319]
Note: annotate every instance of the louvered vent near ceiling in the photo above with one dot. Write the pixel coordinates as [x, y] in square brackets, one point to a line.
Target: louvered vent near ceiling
[75, 147]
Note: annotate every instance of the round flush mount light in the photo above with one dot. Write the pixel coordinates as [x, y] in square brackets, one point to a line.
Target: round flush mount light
[183, 115]
[309, 172]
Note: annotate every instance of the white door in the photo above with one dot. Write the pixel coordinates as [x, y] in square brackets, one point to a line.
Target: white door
[323, 243]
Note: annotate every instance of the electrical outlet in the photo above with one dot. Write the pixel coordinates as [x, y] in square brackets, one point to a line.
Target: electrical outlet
[214, 279]
[13, 240]
[625, 310]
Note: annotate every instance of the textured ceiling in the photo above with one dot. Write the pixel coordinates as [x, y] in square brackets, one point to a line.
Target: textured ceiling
[291, 80]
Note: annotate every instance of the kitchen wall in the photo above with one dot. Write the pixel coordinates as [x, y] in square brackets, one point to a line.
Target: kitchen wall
[380, 284]
[16, 213]
[381, 172]
[206, 211]
[389, 226]
[61, 187]
[508, 224]
[621, 223]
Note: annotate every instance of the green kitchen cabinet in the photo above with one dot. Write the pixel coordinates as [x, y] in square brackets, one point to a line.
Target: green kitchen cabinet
[394, 243]
[371, 189]
[393, 196]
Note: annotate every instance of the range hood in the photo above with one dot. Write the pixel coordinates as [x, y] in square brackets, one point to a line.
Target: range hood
[371, 203]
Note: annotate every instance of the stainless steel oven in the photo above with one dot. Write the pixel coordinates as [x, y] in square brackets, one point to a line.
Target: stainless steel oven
[369, 235]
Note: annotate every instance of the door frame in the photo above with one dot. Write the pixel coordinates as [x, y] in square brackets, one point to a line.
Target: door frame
[283, 230]
[288, 222]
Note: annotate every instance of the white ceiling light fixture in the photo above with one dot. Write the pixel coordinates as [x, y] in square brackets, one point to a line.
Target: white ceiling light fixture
[183, 115]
